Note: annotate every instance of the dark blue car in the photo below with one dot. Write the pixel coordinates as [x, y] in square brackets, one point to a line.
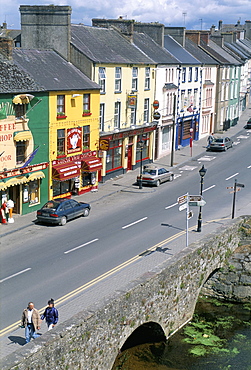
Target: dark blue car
[59, 211]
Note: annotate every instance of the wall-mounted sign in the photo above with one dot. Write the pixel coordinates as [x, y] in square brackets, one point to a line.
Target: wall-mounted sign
[74, 140]
[132, 101]
[156, 115]
[104, 144]
[156, 104]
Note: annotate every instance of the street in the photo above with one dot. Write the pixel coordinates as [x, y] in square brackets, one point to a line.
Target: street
[46, 262]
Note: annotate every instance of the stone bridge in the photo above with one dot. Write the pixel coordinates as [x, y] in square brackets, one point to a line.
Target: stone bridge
[150, 308]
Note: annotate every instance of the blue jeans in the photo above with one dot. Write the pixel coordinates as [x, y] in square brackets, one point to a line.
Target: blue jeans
[30, 333]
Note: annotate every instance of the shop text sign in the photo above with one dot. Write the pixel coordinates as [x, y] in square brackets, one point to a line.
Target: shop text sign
[7, 156]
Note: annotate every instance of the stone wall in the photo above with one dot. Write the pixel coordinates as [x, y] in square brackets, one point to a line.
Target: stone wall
[166, 296]
[233, 281]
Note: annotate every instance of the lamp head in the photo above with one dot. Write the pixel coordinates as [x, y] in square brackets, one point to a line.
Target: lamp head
[202, 171]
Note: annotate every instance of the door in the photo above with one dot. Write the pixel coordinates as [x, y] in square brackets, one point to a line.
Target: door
[129, 157]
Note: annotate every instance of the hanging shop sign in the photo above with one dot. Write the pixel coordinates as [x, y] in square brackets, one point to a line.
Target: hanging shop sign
[104, 144]
[156, 115]
[131, 101]
[156, 104]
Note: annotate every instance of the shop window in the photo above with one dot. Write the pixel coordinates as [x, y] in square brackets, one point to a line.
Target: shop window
[86, 178]
[61, 187]
[21, 151]
[86, 137]
[60, 105]
[86, 103]
[114, 155]
[61, 142]
[145, 139]
[33, 191]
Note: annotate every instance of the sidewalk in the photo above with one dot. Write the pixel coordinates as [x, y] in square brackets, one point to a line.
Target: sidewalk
[90, 295]
[125, 181]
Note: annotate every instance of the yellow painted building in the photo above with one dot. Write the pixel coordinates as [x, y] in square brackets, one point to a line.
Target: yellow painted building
[126, 108]
[73, 142]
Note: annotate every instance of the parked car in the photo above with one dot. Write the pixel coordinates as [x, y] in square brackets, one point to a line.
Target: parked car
[59, 211]
[248, 124]
[152, 175]
[220, 144]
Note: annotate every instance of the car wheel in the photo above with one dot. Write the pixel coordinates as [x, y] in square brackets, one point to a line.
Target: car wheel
[157, 183]
[63, 221]
[225, 149]
[86, 212]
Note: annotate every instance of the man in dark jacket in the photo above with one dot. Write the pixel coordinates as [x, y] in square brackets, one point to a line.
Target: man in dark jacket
[50, 315]
[30, 320]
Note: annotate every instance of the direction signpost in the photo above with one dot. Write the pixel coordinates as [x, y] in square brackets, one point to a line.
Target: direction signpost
[237, 187]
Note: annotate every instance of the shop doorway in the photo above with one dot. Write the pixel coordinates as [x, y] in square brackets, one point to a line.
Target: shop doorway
[13, 192]
[129, 157]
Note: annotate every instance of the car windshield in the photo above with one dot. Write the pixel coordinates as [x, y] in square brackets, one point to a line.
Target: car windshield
[218, 140]
[51, 205]
[149, 171]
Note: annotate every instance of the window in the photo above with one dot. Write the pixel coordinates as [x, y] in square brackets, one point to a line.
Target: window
[133, 116]
[189, 97]
[117, 114]
[20, 110]
[102, 78]
[146, 110]
[135, 79]
[102, 117]
[61, 142]
[196, 74]
[169, 75]
[86, 103]
[182, 100]
[61, 105]
[21, 151]
[147, 78]
[184, 74]
[33, 191]
[114, 155]
[86, 137]
[190, 75]
[195, 99]
[117, 79]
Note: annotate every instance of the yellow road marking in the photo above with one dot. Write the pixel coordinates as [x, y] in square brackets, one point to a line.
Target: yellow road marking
[80, 289]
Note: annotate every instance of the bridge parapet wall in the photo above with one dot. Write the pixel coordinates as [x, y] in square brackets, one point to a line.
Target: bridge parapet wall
[166, 295]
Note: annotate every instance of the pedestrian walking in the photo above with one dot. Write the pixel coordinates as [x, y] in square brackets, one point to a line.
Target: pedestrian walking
[210, 139]
[31, 322]
[50, 315]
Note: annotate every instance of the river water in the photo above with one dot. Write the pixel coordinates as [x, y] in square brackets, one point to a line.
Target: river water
[218, 338]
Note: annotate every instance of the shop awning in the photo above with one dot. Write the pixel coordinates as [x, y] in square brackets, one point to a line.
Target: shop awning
[16, 181]
[36, 175]
[65, 171]
[22, 99]
[91, 164]
[3, 186]
[22, 135]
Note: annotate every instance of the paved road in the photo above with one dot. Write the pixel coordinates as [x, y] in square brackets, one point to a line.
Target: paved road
[56, 260]
[120, 227]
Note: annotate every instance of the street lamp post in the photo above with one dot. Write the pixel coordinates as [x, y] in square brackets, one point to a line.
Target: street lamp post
[140, 145]
[202, 173]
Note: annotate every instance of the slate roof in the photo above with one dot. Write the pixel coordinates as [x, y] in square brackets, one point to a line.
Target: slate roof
[198, 53]
[15, 80]
[107, 46]
[240, 53]
[157, 53]
[221, 55]
[51, 71]
[180, 53]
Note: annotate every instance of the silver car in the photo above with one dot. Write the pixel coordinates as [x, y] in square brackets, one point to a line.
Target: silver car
[220, 144]
[152, 175]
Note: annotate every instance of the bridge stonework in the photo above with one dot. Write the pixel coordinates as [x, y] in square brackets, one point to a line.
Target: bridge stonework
[166, 296]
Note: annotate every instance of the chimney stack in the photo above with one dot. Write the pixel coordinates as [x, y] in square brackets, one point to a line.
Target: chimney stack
[6, 47]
